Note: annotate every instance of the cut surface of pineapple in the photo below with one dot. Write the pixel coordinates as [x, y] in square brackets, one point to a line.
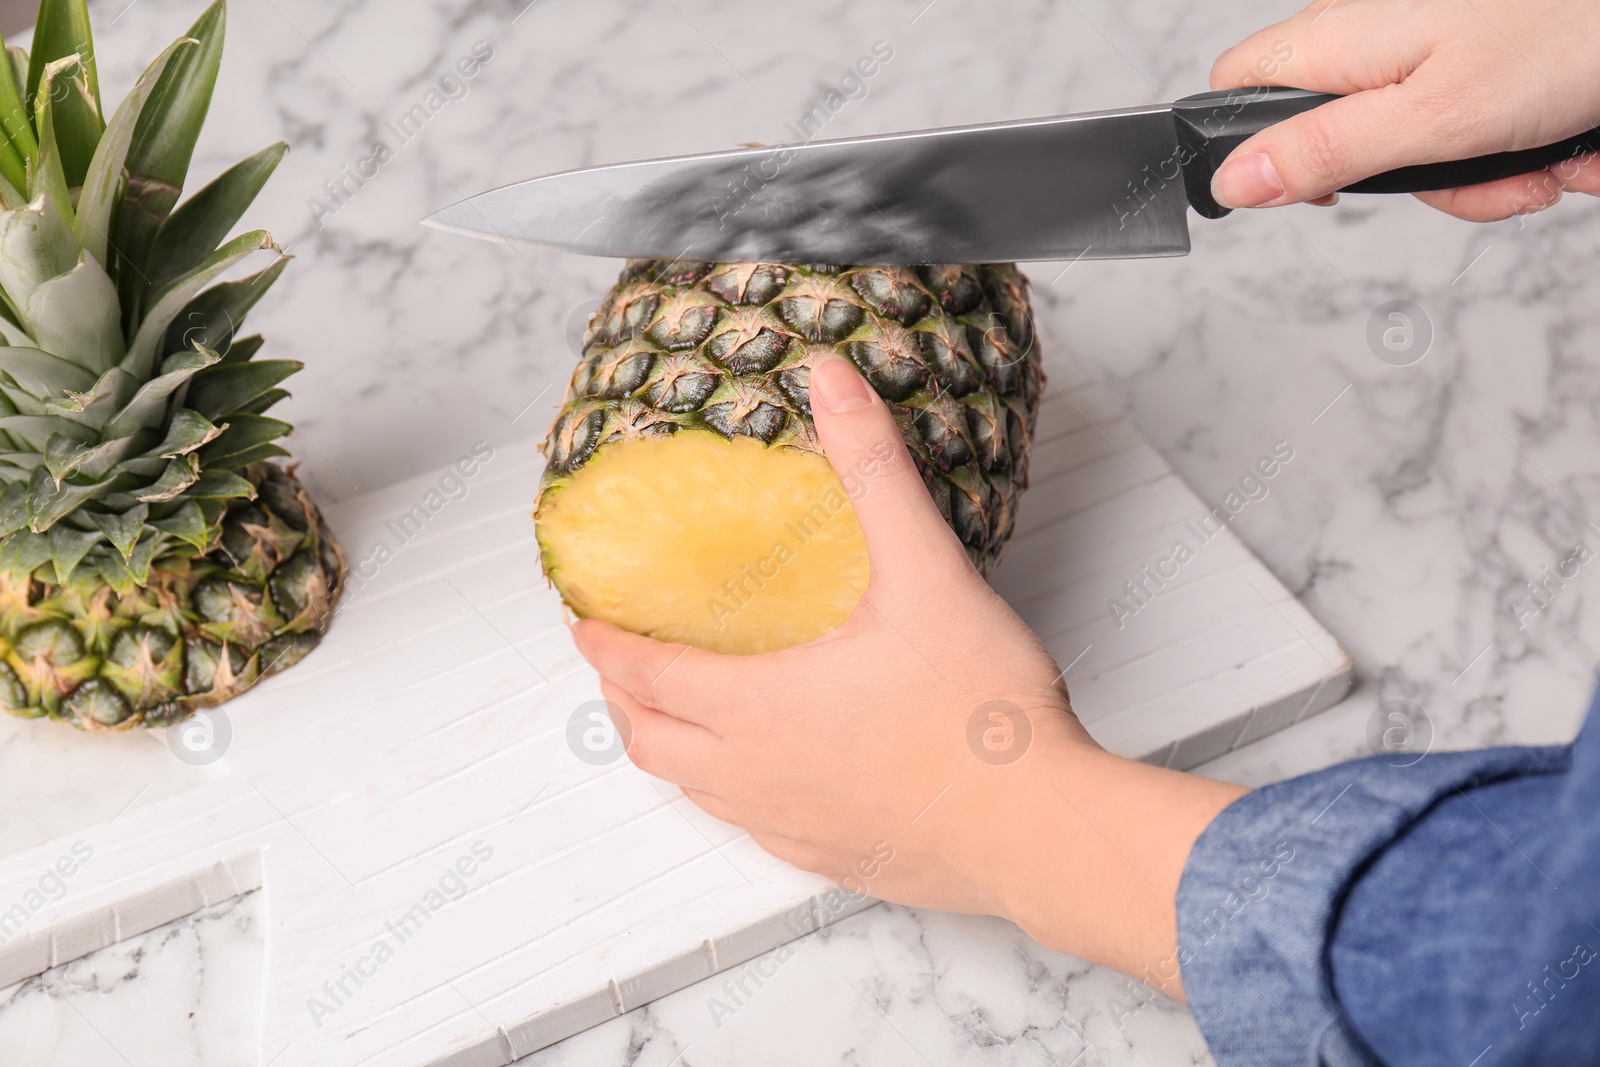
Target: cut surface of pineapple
[723, 544]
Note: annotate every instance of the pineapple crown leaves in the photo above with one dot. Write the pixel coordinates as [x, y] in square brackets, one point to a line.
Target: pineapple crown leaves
[128, 405]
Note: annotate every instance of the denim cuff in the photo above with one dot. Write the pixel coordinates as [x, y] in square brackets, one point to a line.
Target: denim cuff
[1263, 886]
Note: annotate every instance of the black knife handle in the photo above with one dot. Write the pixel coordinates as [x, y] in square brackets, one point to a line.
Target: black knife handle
[1211, 125]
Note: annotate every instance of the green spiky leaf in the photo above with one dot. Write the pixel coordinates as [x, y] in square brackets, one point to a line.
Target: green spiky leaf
[103, 184]
[125, 575]
[63, 31]
[133, 474]
[35, 430]
[166, 304]
[111, 392]
[244, 433]
[19, 465]
[232, 387]
[187, 431]
[15, 122]
[241, 350]
[76, 124]
[158, 156]
[222, 485]
[68, 547]
[64, 457]
[263, 403]
[213, 317]
[13, 508]
[47, 175]
[77, 316]
[21, 402]
[122, 528]
[188, 524]
[49, 500]
[13, 168]
[24, 552]
[19, 79]
[42, 374]
[178, 475]
[204, 221]
[258, 454]
[36, 244]
[149, 405]
[11, 331]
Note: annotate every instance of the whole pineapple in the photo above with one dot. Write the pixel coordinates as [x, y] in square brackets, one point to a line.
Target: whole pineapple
[153, 560]
[685, 494]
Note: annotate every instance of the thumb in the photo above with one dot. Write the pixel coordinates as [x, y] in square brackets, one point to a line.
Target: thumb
[1329, 147]
[906, 536]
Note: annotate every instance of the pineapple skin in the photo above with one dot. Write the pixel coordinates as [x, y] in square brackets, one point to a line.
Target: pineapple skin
[201, 631]
[727, 349]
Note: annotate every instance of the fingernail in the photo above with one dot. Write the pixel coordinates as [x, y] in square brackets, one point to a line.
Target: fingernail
[1249, 180]
[837, 387]
[1533, 207]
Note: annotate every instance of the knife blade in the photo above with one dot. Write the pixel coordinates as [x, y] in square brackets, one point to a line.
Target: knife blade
[1101, 185]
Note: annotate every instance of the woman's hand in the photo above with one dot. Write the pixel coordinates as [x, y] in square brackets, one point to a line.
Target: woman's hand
[924, 752]
[1424, 81]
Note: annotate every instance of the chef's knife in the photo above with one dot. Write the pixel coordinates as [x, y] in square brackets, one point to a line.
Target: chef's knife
[1103, 185]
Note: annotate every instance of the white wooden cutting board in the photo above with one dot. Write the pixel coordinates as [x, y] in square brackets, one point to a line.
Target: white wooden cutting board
[411, 784]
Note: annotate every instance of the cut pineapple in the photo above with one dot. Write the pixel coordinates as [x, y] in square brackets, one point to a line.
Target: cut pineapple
[715, 543]
[685, 495]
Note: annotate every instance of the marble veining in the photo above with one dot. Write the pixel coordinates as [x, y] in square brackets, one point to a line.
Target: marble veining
[188, 992]
[1422, 501]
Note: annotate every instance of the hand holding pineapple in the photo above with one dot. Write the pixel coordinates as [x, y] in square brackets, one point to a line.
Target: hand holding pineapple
[856, 744]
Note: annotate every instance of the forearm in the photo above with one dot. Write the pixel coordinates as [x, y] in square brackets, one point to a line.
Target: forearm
[1090, 851]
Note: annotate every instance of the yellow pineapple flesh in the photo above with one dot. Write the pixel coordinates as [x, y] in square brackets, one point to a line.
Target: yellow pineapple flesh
[721, 544]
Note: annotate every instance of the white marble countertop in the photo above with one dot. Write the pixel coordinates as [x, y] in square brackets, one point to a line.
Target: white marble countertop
[1421, 500]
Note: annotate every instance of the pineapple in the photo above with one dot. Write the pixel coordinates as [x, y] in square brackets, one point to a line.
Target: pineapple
[153, 558]
[685, 495]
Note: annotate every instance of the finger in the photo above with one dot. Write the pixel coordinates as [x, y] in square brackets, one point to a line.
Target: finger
[1339, 143]
[1524, 194]
[795, 853]
[1312, 50]
[664, 747]
[1255, 60]
[907, 539]
[687, 683]
[1581, 175]
[713, 805]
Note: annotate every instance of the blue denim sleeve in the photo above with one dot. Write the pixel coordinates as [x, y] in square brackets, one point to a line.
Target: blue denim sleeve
[1446, 912]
